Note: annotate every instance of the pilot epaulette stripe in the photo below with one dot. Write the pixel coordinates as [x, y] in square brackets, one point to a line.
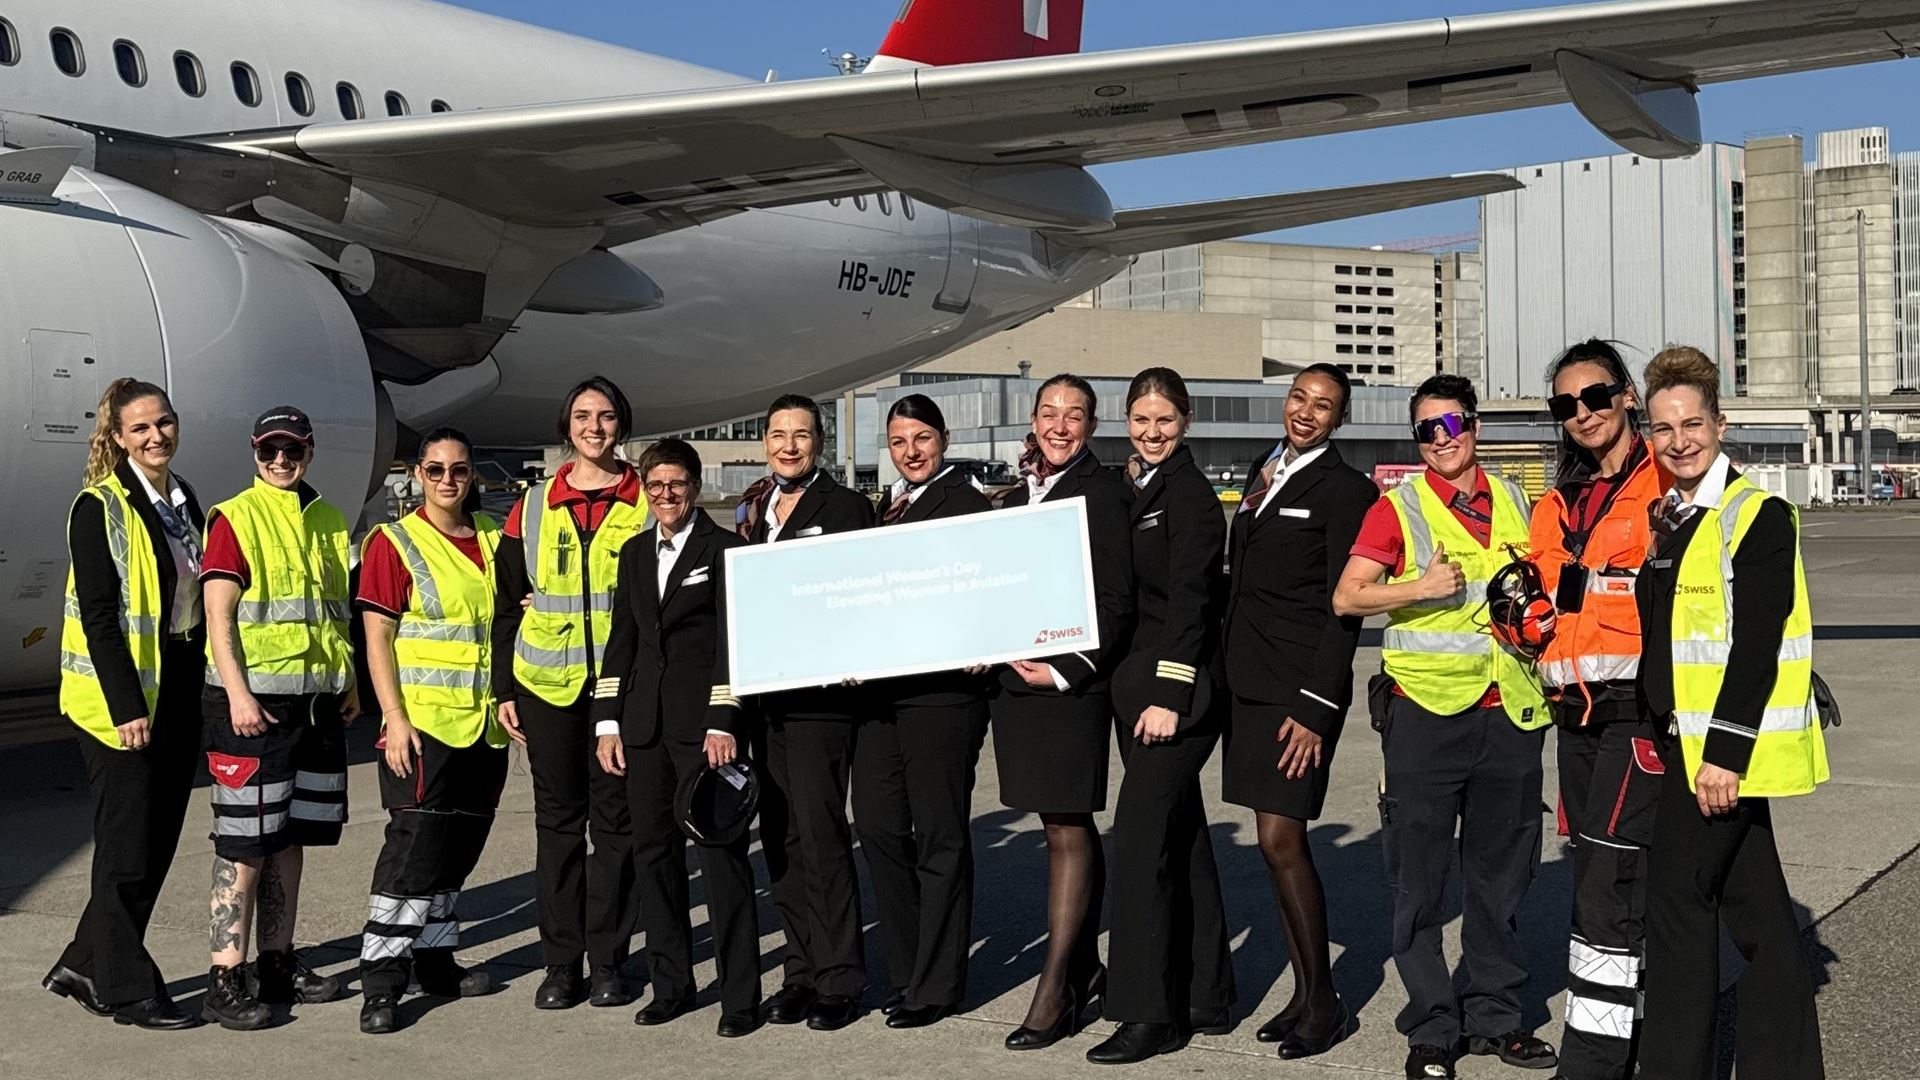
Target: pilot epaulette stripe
[608, 687]
[1178, 672]
[723, 695]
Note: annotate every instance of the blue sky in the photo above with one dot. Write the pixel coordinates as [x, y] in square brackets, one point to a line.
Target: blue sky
[750, 36]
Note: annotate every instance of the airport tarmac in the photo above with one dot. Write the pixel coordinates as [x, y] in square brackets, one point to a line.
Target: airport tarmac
[1843, 850]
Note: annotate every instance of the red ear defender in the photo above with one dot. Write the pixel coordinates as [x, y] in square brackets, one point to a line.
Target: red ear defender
[1519, 611]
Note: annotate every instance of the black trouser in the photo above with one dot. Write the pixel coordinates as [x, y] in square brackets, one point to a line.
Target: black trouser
[1709, 873]
[1609, 789]
[913, 772]
[586, 901]
[139, 802]
[1478, 770]
[809, 852]
[438, 819]
[660, 864]
[1167, 948]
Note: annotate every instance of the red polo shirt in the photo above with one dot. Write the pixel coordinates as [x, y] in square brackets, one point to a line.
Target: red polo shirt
[589, 508]
[385, 582]
[1380, 538]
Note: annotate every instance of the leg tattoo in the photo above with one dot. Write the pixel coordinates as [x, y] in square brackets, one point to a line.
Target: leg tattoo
[231, 910]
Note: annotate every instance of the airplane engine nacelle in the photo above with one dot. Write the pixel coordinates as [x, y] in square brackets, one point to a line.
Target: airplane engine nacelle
[114, 280]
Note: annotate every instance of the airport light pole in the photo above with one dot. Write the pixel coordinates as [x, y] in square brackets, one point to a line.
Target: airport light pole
[1866, 388]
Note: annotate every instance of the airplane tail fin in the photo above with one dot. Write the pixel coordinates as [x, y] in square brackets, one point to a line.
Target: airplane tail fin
[936, 33]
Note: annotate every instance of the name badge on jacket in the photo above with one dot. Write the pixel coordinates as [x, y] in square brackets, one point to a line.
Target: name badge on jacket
[815, 531]
[1149, 521]
[1300, 512]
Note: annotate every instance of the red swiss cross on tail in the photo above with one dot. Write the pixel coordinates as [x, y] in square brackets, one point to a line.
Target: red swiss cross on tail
[935, 33]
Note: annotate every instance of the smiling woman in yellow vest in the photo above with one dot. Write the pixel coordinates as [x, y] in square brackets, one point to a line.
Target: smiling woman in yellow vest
[130, 658]
[426, 599]
[1723, 589]
[555, 572]
[279, 693]
[1461, 732]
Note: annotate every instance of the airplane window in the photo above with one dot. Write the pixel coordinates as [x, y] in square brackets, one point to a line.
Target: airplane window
[440, 106]
[396, 104]
[67, 54]
[186, 68]
[299, 93]
[350, 106]
[860, 203]
[133, 66]
[886, 205]
[246, 85]
[9, 45]
[906, 205]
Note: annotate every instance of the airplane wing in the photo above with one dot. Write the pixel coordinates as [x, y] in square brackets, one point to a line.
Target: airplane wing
[1157, 227]
[984, 137]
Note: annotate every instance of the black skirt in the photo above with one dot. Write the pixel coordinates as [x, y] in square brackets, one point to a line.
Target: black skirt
[1051, 750]
[1250, 771]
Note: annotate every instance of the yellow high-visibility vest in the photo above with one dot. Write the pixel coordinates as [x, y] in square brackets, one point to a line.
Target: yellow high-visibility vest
[81, 697]
[292, 618]
[1441, 652]
[1789, 754]
[551, 656]
[443, 646]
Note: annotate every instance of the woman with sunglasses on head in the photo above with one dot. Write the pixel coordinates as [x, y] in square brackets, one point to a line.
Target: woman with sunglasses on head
[1723, 590]
[426, 600]
[913, 768]
[560, 554]
[1461, 733]
[1171, 974]
[132, 652]
[1289, 661]
[280, 692]
[1589, 539]
[1053, 718]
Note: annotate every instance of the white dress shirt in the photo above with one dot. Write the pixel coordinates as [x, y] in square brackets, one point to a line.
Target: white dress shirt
[667, 551]
[773, 504]
[1285, 473]
[1712, 486]
[913, 491]
[186, 613]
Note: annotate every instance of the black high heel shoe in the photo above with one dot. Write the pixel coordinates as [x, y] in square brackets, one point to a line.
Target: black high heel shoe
[1064, 1026]
[1296, 1045]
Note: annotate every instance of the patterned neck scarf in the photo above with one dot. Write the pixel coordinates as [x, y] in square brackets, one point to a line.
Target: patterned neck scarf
[1034, 464]
[753, 501]
[1664, 518]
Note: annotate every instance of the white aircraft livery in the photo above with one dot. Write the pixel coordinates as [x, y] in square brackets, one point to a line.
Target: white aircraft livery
[394, 213]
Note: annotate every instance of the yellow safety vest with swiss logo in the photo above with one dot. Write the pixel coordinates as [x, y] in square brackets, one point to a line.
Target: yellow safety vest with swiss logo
[443, 646]
[1441, 652]
[1789, 753]
[292, 617]
[563, 632]
[81, 697]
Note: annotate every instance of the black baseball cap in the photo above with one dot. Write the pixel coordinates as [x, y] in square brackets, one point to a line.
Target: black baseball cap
[283, 420]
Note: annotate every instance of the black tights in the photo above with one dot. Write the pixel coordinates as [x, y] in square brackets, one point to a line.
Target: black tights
[1076, 881]
[1303, 915]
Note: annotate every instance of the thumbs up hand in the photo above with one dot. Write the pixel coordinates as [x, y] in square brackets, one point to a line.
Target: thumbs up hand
[1442, 578]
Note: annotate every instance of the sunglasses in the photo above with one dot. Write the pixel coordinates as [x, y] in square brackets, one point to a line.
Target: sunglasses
[1455, 424]
[460, 472]
[295, 453]
[1597, 397]
[657, 488]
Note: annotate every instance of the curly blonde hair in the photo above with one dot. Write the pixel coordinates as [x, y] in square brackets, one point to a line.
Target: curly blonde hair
[103, 454]
[1685, 366]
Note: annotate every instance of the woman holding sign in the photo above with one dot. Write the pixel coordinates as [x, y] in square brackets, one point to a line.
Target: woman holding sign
[913, 765]
[1052, 718]
[1172, 974]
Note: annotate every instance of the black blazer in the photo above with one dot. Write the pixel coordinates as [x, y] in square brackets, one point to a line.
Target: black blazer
[1282, 569]
[1179, 538]
[96, 587]
[951, 495]
[657, 671]
[1108, 495]
[827, 507]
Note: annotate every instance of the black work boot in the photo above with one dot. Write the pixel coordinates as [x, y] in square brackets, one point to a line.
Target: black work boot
[285, 979]
[436, 972]
[230, 1001]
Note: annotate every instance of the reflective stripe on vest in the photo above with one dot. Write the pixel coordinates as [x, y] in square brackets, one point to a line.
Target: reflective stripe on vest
[1440, 652]
[82, 699]
[443, 647]
[1789, 753]
[563, 632]
[292, 615]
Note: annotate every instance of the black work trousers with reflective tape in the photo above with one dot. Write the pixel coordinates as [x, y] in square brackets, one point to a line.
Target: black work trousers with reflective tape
[1610, 774]
[1476, 772]
[585, 897]
[139, 802]
[809, 851]
[913, 772]
[438, 819]
[1167, 947]
[286, 787]
[1705, 874]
